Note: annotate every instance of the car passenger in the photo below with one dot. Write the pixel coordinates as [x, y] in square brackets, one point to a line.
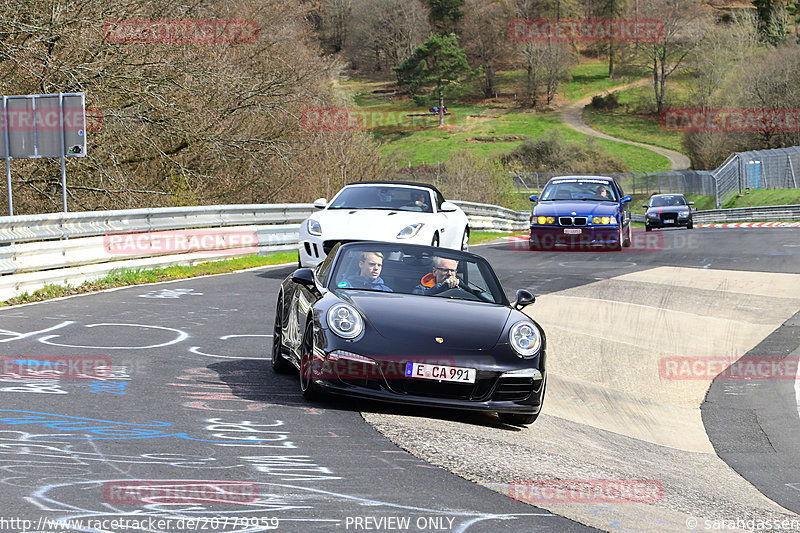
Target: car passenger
[441, 278]
[369, 276]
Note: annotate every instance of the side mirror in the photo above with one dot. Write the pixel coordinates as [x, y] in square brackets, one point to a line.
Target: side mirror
[320, 203]
[448, 207]
[533, 198]
[626, 199]
[304, 277]
[691, 203]
[646, 206]
[524, 299]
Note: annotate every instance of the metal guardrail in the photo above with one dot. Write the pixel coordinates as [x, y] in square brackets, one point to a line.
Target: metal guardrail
[70, 248]
[28, 228]
[741, 214]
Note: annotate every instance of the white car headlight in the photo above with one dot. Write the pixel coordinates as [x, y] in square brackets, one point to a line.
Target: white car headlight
[313, 227]
[683, 214]
[410, 231]
[524, 337]
[345, 321]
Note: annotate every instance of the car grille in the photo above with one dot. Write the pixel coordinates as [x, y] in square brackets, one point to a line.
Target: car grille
[572, 221]
[511, 389]
[669, 216]
[428, 388]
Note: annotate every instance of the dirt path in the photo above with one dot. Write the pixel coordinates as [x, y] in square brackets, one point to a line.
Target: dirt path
[572, 116]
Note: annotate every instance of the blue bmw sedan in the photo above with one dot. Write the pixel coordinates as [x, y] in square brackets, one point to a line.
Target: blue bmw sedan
[581, 211]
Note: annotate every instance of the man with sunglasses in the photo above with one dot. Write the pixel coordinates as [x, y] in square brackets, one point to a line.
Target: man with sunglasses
[441, 278]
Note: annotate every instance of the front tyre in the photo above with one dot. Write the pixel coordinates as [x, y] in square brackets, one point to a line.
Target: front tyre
[465, 240]
[310, 390]
[279, 364]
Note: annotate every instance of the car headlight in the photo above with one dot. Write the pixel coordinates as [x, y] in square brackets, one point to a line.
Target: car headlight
[604, 220]
[683, 214]
[545, 220]
[524, 337]
[410, 231]
[652, 215]
[313, 227]
[345, 321]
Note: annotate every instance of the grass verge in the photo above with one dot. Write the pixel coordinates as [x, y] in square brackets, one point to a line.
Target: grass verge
[124, 278]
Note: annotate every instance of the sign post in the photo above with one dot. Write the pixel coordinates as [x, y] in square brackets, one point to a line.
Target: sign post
[43, 126]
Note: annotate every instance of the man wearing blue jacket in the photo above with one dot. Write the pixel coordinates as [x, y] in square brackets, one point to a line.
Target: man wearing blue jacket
[370, 276]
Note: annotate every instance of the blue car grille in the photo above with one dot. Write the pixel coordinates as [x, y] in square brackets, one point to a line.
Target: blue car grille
[572, 221]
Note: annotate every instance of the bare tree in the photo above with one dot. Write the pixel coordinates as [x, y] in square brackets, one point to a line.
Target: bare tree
[685, 23]
[336, 16]
[183, 122]
[485, 39]
[384, 33]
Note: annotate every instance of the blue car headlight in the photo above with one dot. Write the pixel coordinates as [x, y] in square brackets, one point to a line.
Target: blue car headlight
[345, 321]
[525, 339]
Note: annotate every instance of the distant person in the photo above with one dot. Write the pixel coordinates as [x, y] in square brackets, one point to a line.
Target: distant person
[369, 276]
[441, 278]
[418, 201]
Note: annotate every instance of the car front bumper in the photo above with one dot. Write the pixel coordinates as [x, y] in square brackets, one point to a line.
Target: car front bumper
[550, 237]
[500, 391]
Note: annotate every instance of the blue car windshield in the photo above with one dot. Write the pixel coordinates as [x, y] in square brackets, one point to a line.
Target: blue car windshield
[579, 189]
[383, 197]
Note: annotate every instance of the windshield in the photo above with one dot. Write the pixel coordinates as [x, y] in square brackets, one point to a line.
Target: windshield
[663, 201]
[384, 197]
[579, 189]
[420, 270]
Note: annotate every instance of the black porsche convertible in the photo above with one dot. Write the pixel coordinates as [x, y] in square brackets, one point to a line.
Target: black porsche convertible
[411, 324]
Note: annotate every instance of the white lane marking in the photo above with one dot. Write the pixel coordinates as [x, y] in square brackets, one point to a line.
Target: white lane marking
[182, 335]
[226, 337]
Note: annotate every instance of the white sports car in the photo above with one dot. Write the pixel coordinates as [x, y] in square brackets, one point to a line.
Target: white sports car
[391, 211]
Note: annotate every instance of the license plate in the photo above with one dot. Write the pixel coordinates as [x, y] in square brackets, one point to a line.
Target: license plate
[440, 372]
[573, 231]
[668, 221]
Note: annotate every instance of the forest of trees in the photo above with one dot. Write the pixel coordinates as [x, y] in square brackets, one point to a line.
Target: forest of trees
[204, 123]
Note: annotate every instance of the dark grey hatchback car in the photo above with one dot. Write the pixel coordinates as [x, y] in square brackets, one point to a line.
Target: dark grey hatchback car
[668, 211]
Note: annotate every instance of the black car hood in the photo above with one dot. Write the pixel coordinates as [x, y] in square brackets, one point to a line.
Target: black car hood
[404, 318]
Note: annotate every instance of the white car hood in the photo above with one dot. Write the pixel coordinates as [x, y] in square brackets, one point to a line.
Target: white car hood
[367, 224]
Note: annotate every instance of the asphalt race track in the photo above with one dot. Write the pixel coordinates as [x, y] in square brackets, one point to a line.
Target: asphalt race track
[190, 398]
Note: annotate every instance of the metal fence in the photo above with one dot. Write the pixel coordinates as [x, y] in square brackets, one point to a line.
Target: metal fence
[761, 169]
